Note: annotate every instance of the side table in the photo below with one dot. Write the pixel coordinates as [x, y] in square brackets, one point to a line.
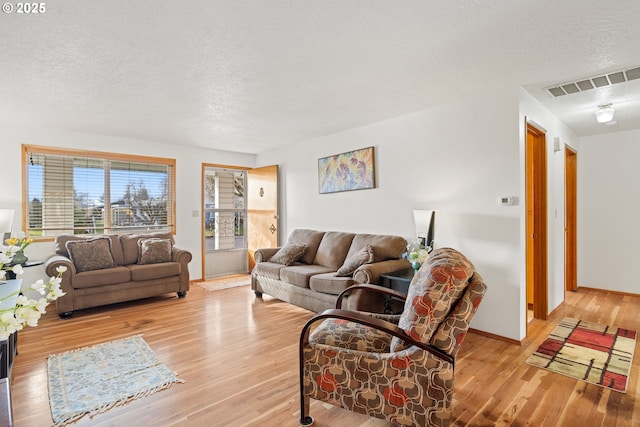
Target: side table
[398, 280]
[11, 275]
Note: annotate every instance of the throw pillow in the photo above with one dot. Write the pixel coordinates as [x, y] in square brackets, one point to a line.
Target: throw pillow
[90, 254]
[288, 254]
[154, 250]
[363, 256]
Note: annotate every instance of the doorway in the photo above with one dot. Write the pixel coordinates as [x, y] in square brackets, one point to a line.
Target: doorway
[224, 222]
[240, 215]
[262, 199]
[570, 255]
[536, 223]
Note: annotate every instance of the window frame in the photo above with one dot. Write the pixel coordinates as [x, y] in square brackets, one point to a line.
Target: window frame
[102, 155]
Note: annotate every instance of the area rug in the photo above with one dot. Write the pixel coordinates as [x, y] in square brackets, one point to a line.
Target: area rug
[91, 380]
[589, 352]
[226, 282]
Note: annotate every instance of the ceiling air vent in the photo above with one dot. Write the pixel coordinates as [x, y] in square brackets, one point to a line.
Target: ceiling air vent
[594, 82]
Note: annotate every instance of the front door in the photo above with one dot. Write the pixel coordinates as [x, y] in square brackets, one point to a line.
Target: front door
[262, 210]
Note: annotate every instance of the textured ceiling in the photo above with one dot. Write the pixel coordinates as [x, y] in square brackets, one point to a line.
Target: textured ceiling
[252, 75]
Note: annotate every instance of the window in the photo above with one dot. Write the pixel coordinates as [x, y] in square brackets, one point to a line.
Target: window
[224, 209]
[84, 192]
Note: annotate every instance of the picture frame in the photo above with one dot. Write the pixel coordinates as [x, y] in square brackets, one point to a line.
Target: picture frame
[348, 171]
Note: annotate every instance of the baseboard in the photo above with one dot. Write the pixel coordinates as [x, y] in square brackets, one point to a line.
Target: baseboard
[629, 294]
[555, 310]
[494, 336]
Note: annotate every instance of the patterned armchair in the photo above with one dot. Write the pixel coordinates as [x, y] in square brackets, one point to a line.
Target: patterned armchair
[400, 372]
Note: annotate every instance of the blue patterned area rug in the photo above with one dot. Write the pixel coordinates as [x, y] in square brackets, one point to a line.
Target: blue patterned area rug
[92, 380]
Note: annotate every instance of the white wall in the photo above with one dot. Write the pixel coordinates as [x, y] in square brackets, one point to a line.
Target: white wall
[608, 211]
[458, 159]
[188, 180]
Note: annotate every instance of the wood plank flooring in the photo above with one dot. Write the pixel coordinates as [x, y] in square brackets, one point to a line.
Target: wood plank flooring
[238, 356]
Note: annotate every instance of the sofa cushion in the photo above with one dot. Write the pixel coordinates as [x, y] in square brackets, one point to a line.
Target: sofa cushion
[104, 277]
[333, 249]
[116, 248]
[129, 244]
[90, 254]
[384, 247]
[310, 238]
[300, 274]
[363, 256]
[435, 288]
[329, 283]
[154, 250]
[288, 254]
[141, 272]
[268, 269]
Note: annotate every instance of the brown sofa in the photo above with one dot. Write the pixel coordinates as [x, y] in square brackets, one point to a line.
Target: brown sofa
[311, 279]
[109, 269]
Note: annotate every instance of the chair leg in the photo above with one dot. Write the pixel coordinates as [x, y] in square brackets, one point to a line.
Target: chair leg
[305, 418]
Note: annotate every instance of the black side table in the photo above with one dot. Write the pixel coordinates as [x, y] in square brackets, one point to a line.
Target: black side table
[398, 280]
[12, 275]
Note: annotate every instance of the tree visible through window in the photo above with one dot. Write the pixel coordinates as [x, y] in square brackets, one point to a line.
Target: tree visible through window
[225, 209]
[82, 192]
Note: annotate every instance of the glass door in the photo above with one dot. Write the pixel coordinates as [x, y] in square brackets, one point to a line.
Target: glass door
[225, 213]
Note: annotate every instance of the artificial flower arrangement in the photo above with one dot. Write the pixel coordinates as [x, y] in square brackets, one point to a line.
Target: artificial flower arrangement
[417, 253]
[18, 243]
[27, 310]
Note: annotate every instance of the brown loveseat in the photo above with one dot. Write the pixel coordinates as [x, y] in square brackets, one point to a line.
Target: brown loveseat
[313, 267]
[104, 270]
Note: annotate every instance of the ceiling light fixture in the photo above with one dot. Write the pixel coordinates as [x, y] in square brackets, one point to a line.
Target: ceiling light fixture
[604, 113]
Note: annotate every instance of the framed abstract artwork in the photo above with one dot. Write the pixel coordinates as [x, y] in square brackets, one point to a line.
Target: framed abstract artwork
[353, 170]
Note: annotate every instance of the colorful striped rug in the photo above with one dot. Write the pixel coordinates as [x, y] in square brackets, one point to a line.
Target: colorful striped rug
[589, 352]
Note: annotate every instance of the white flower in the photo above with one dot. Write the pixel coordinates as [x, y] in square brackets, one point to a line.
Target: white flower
[61, 269]
[26, 311]
[39, 286]
[41, 305]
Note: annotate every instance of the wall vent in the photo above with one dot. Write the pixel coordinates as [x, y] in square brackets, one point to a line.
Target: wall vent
[594, 82]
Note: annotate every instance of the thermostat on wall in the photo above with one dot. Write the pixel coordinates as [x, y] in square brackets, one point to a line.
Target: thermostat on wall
[508, 200]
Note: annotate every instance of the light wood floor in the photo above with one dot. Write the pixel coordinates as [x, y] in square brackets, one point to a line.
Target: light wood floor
[238, 356]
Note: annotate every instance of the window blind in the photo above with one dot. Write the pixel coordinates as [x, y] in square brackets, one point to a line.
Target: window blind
[73, 192]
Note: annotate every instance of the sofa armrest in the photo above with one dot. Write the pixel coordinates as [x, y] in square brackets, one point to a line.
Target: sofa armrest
[55, 261]
[370, 273]
[65, 302]
[369, 288]
[264, 254]
[181, 255]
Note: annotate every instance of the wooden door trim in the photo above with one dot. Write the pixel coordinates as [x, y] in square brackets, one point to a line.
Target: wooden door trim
[571, 259]
[539, 208]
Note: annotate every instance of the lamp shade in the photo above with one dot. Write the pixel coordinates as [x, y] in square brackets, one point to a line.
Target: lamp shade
[605, 113]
